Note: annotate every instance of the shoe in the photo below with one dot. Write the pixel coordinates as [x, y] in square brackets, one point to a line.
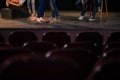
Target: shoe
[81, 18]
[40, 20]
[99, 9]
[33, 14]
[49, 19]
[32, 18]
[54, 20]
[91, 19]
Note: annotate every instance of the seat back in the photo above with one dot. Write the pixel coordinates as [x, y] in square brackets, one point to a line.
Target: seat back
[39, 47]
[37, 68]
[112, 52]
[18, 38]
[107, 69]
[115, 36]
[58, 38]
[81, 55]
[6, 52]
[2, 39]
[94, 37]
[86, 45]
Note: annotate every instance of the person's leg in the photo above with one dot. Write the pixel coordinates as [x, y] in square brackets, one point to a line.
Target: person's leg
[54, 9]
[96, 4]
[55, 12]
[83, 9]
[28, 6]
[99, 5]
[33, 6]
[40, 11]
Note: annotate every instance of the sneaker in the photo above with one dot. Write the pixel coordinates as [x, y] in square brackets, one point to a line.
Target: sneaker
[99, 9]
[54, 20]
[33, 15]
[81, 18]
[91, 18]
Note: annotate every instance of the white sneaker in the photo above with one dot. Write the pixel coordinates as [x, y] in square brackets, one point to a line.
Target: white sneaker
[91, 19]
[81, 18]
[99, 9]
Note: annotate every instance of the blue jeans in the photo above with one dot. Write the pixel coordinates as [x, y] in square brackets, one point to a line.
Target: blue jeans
[83, 11]
[41, 8]
[54, 9]
[96, 4]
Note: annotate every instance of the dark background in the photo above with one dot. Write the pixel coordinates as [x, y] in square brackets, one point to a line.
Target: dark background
[113, 5]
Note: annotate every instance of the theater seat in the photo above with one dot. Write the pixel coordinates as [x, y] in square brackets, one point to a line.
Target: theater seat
[6, 52]
[58, 38]
[113, 44]
[2, 39]
[114, 36]
[18, 38]
[39, 47]
[83, 56]
[37, 68]
[107, 69]
[95, 37]
[86, 45]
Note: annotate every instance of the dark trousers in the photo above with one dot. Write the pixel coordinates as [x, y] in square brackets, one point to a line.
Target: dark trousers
[41, 8]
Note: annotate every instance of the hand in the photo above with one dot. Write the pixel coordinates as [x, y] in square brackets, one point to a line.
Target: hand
[7, 4]
[18, 5]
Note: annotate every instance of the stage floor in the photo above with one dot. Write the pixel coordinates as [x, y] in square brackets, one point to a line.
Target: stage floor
[69, 20]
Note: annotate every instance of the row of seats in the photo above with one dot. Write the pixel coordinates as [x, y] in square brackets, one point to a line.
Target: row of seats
[61, 39]
[89, 40]
[64, 63]
[17, 38]
[87, 59]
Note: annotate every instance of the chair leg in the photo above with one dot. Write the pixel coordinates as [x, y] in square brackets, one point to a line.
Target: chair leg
[101, 13]
[90, 9]
[106, 10]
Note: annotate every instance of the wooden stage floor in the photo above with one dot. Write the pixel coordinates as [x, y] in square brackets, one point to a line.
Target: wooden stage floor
[69, 20]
